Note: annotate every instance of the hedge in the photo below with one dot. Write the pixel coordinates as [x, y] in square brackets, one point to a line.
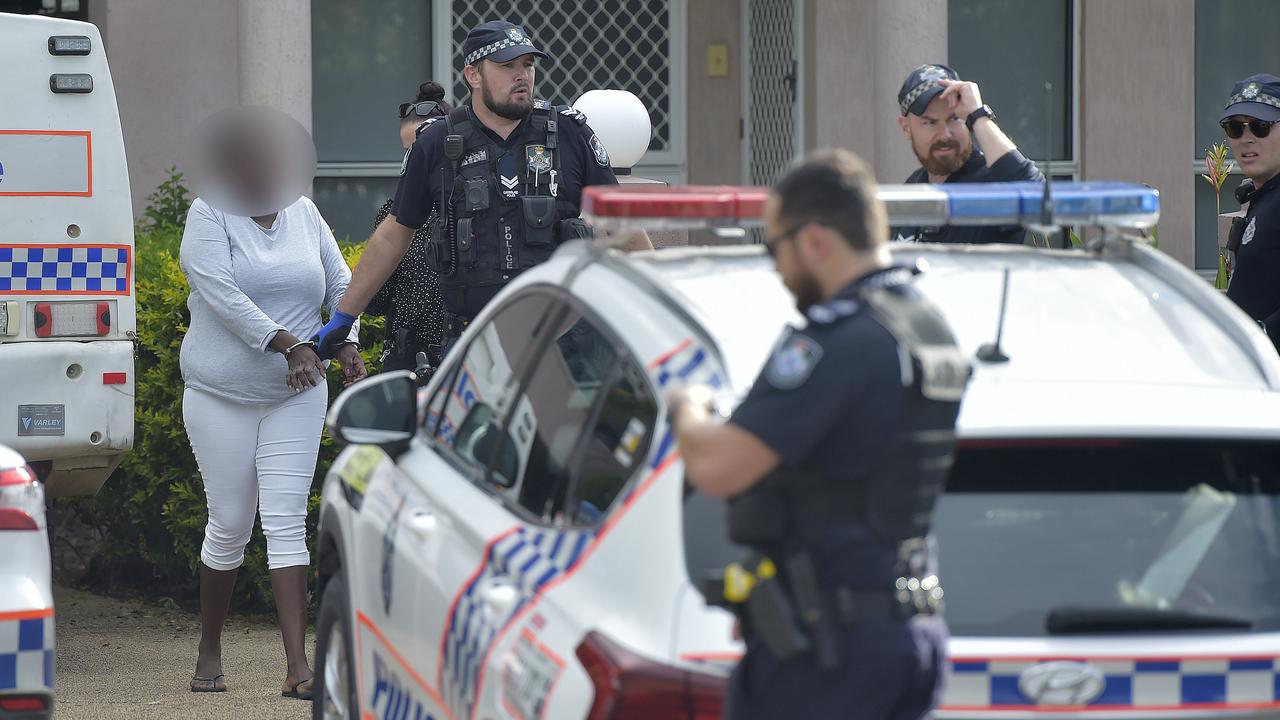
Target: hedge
[151, 513]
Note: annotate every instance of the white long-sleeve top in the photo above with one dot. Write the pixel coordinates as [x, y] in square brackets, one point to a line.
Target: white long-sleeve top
[247, 283]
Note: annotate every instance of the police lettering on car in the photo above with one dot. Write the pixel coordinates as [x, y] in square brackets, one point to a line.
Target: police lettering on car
[504, 172]
[832, 465]
[1249, 121]
[956, 139]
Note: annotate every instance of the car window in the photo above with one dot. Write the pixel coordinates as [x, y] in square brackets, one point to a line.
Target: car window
[615, 447]
[469, 408]
[1111, 536]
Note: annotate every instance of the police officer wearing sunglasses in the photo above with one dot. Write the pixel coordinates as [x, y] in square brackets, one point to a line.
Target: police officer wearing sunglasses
[505, 173]
[1249, 121]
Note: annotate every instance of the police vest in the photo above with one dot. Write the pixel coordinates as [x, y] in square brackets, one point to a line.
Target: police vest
[501, 216]
[896, 502]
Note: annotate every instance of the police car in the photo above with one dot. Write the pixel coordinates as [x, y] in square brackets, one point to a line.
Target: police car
[26, 594]
[515, 540]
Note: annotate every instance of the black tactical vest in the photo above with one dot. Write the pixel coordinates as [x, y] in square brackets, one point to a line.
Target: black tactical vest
[794, 508]
[500, 215]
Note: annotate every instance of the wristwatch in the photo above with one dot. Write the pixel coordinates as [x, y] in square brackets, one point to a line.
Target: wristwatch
[984, 111]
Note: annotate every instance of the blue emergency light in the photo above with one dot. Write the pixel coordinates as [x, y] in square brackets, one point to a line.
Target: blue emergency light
[1099, 204]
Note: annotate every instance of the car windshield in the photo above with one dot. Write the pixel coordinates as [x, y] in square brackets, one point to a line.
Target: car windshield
[1110, 536]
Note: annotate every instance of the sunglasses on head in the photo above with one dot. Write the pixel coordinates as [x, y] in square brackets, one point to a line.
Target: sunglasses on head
[1235, 128]
[421, 109]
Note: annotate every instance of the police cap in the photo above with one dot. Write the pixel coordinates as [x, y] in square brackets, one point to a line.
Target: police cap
[1257, 96]
[921, 87]
[499, 41]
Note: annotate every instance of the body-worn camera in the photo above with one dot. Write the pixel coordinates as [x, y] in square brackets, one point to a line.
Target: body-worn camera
[477, 194]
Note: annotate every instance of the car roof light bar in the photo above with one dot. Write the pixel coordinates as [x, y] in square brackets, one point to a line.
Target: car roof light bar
[1099, 204]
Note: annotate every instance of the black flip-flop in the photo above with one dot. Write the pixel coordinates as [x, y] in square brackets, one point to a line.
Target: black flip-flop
[300, 694]
[213, 684]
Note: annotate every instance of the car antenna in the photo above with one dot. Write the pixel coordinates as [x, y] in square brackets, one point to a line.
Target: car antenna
[991, 352]
[1046, 201]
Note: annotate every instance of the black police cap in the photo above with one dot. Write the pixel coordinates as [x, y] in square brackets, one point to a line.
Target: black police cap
[1257, 96]
[921, 87]
[499, 41]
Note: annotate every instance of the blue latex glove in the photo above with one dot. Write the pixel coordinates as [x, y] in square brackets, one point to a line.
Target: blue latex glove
[333, 335]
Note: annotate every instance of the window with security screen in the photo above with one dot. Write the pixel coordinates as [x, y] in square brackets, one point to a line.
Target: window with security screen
[593, 44]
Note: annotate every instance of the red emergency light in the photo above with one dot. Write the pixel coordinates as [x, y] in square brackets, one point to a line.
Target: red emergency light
[659, 206]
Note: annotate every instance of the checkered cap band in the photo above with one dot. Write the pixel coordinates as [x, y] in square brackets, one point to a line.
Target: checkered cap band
[491, 48]
[915, 94]
[1257, 98]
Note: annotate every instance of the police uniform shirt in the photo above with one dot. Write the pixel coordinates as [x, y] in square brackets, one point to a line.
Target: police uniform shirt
[1013, 166]
[1255, 285]
[582, 161]
[829, 401]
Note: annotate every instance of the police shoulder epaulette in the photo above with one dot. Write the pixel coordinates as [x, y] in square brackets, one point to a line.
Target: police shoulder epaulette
[541, 105]
[575, 115]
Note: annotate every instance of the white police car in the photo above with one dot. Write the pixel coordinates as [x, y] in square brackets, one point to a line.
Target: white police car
[516, 539]
[26, 595]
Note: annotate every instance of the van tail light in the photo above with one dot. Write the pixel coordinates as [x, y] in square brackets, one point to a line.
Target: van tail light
[23, 703]
[21, 499]
[631, 687]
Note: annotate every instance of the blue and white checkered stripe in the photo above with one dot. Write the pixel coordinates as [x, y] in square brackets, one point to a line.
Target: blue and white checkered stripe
[67, 269]
[26, 654]
[530, 558]
[1130, 683]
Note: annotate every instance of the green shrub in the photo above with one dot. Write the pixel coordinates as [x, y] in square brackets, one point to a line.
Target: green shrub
[151, 513]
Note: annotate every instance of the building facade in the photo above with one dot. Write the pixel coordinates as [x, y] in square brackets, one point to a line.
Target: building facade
[736, 88]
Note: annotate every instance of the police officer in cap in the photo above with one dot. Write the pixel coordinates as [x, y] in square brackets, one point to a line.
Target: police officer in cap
[1249, 121]
[955, 137]
[840, 609]
[505, 171]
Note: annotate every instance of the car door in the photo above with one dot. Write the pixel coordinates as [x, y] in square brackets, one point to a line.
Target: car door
[427, 519]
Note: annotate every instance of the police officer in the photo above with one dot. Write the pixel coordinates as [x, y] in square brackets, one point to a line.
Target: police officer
[1249, 121]
[840, 609]
[505, 171]
[942, 117]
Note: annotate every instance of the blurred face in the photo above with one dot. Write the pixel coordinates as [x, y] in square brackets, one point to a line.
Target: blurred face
[939, 138]
[1259, 158]
[505, 88]
[782, 243]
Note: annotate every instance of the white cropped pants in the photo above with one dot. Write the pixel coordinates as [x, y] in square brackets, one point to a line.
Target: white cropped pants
[255, 457]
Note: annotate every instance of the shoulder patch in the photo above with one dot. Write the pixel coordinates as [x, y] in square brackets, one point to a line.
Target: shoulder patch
[1249, 230]
[793, 361]
[425, 124]
[541, 105]
[597, 147]
[404, 164]
[573, 114]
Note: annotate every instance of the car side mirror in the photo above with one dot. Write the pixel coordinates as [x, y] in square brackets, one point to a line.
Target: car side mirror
[382, 411]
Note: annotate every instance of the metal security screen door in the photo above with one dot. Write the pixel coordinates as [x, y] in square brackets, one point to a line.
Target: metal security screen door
[613, 44]
[772, 127]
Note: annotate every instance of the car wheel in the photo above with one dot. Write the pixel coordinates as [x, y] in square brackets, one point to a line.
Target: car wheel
[334, 696]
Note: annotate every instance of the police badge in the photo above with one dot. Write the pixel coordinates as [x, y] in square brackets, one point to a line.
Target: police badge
[516, 35]
[537, 159]
[597, 147]
[1250, 91]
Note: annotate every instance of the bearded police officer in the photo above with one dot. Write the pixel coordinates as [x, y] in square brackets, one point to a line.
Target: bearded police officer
[942, 117]
[839, 606]
[1250, 120]
[505, 172]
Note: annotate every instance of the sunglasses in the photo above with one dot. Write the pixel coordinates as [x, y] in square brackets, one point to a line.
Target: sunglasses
[771, 246]
[1235, 128]
[421, 109]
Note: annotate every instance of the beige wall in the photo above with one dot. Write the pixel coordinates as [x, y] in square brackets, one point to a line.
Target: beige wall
[1131, 127]
[714, 103]
[175, 63]
[857, 53]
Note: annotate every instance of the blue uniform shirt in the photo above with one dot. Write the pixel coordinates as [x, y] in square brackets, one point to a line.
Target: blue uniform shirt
[583, 162]
[829, 401]
[1012, 167]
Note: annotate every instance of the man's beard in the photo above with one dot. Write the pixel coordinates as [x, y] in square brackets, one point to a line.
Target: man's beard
[511, 109]
[806, 291]
[944, 166]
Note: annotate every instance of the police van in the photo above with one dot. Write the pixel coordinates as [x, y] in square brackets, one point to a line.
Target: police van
[67, 310]
[516, 539]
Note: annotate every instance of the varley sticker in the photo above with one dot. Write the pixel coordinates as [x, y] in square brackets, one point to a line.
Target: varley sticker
[793, 362]
[42, 420]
